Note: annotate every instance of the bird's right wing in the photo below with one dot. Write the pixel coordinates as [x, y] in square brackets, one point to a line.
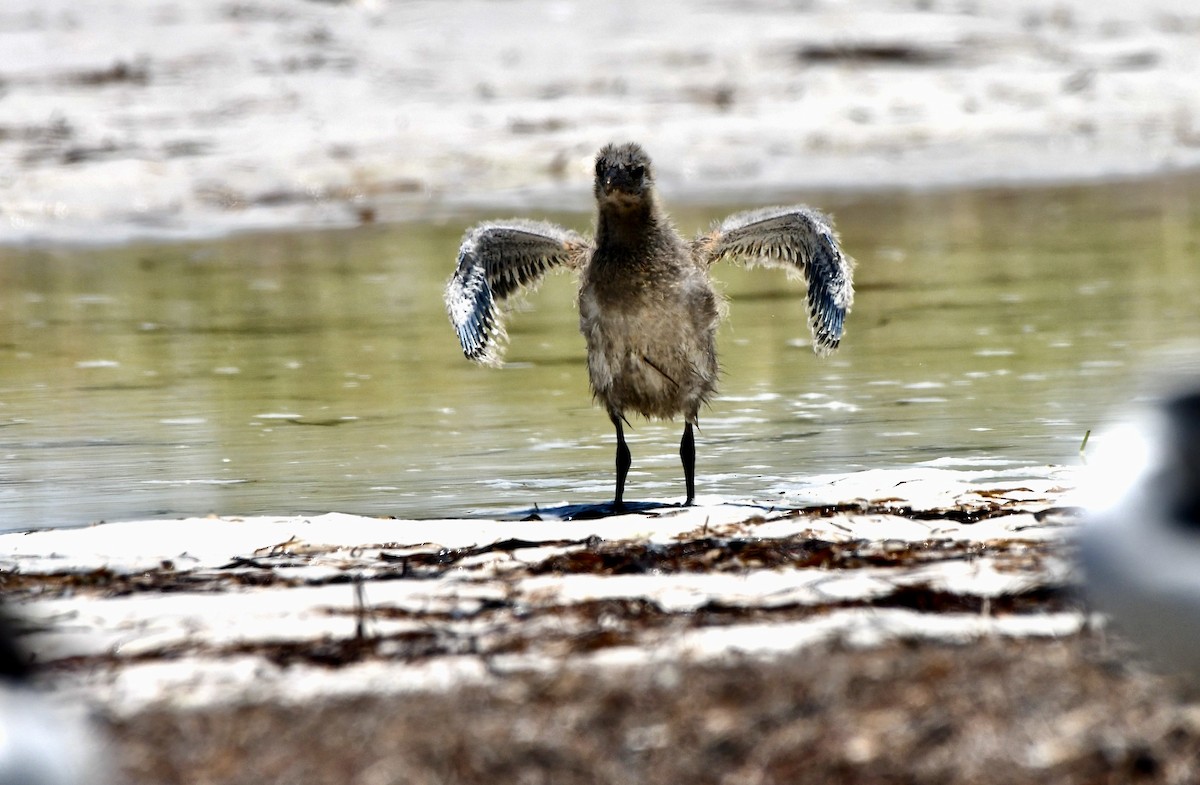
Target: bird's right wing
[495, 261]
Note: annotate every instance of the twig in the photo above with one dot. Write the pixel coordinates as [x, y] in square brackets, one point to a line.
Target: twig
[361, 612]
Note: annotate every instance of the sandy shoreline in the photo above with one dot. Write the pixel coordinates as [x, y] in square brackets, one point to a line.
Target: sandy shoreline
[188, 119]
[937, 637]
[134, 612]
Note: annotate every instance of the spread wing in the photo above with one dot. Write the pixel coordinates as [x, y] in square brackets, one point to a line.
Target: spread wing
[802, 241]
[495, 261]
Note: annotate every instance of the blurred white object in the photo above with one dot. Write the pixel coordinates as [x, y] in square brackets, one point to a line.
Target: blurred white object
[41, 742]
[1141, 544]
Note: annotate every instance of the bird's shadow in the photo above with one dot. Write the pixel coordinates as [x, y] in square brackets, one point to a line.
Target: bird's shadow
[589, 512]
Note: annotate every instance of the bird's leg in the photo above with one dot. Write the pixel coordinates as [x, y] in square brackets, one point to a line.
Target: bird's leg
[624, 459]
[687, 453]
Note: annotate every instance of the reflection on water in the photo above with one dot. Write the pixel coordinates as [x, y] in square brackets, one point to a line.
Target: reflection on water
[311, 372]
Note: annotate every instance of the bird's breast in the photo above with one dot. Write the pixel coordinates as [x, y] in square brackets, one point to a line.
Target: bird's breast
[651, 349]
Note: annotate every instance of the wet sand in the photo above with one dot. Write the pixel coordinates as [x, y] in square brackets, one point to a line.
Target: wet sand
[188, 119]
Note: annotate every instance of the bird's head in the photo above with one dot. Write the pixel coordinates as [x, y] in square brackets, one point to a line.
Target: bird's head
[623, 176]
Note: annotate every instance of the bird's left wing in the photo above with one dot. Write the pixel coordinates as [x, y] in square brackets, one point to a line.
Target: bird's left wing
[495, 261]
[800, 240]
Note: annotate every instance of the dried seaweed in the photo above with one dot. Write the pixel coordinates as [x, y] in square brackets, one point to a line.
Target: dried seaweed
[875, 53]
[709, 554]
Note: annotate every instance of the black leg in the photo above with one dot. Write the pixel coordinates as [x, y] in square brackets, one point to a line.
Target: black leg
[624, 459]
[687, 453]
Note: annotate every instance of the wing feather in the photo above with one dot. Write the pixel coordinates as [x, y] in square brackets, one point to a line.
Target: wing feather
[802, 241]
[495, 261]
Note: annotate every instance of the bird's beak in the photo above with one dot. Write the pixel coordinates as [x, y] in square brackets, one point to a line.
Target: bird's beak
[617, 179]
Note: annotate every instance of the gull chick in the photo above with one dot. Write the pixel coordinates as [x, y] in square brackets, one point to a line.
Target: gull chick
[647, 307]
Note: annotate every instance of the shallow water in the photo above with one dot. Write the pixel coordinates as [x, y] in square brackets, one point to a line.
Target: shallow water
[309, 372]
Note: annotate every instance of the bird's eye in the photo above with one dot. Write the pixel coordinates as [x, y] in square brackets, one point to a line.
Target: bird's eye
[638, 172]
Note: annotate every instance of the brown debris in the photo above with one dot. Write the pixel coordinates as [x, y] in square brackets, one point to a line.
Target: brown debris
[708, 554]
[1066, 712]
[871, 53]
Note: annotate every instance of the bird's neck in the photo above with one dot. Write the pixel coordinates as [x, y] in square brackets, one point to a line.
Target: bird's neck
[626, 228]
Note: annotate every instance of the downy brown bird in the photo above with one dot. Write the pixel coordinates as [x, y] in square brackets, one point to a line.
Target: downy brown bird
[647, 307]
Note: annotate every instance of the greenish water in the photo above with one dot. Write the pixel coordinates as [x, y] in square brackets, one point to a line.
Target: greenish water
[309, 372]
